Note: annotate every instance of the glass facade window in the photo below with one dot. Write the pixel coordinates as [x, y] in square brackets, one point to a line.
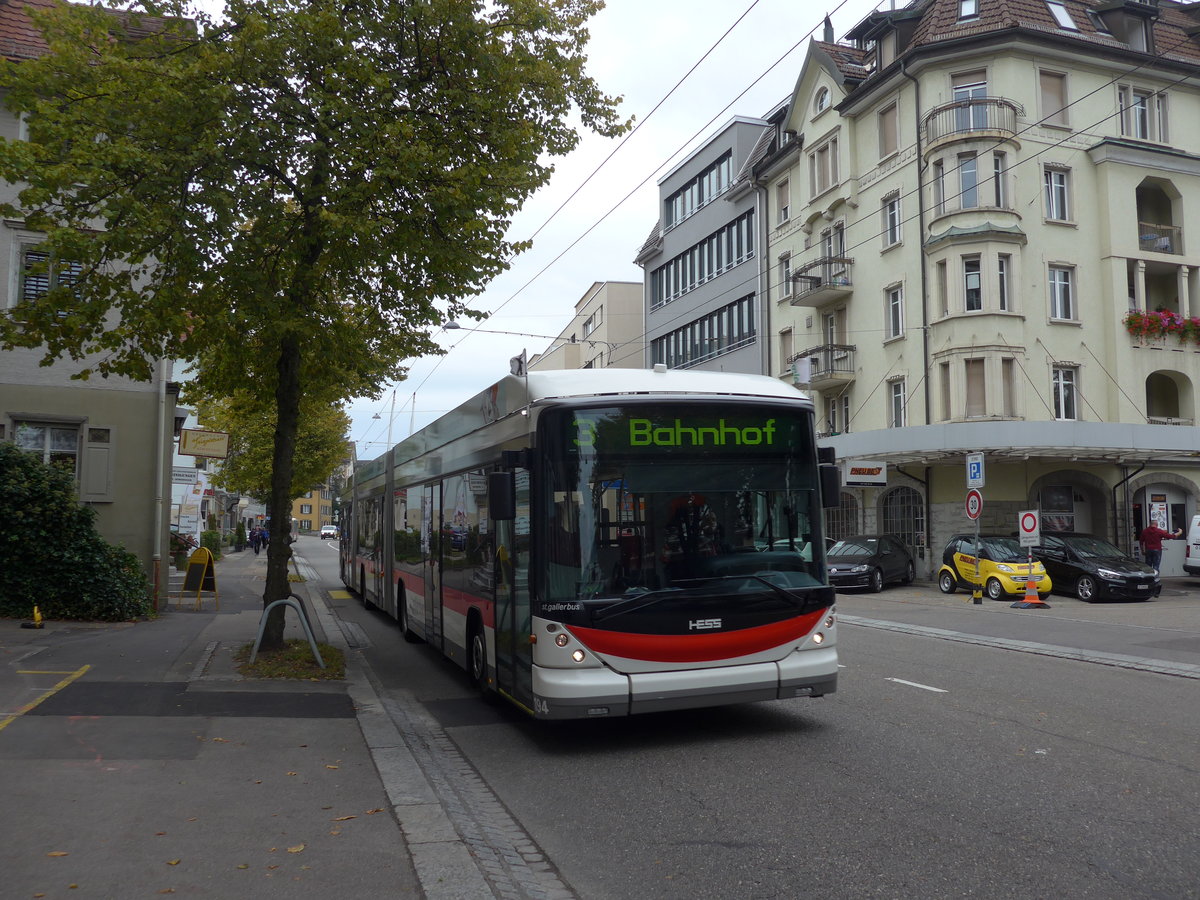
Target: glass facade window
[717, 253]
[52, 443]
[895, 311]
[891, 220]
[710, 183]
[896, 404]
[713, 335]
[1062, 294]
[1057, 184]
[968, 181]
[1064, 389]
[972, 284]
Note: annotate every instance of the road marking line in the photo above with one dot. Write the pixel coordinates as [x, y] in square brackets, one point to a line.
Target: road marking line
[44, 672]
[71, 676]
[923, 687]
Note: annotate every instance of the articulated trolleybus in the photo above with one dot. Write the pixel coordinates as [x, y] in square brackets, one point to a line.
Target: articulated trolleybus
[603, 542]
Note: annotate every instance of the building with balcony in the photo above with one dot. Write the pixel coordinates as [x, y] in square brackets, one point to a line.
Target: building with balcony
[989, 237]
[703, 305]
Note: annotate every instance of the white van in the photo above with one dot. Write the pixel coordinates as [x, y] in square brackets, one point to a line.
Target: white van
[1191, 554]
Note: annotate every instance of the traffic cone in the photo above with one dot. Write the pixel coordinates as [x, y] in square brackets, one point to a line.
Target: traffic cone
[1031, 600]
[37, 620]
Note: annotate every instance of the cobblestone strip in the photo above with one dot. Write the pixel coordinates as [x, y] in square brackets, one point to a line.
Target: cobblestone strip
[509, 859]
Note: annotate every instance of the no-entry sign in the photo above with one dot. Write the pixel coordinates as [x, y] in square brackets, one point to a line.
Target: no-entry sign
[1029, 524]
[974, 504]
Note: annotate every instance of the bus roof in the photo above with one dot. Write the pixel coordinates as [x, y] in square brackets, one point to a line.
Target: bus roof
[547, 385]
[514, 393]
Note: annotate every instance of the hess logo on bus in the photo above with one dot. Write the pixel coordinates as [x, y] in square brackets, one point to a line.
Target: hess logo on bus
[703, 624]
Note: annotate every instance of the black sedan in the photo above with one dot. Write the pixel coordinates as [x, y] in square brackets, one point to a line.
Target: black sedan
[1093, 569]
[869, 561]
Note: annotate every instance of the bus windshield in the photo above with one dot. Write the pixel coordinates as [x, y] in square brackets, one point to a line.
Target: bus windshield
[661, 500]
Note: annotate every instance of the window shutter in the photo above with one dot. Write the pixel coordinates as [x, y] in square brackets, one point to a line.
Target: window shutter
[96, 465]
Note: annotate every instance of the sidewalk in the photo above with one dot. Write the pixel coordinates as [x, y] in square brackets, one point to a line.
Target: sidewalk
[139, 763]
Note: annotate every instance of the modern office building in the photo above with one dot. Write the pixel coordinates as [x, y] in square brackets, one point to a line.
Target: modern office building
[703, 304]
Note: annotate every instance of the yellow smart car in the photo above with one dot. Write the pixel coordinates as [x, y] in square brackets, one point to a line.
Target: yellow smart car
[1003, 567]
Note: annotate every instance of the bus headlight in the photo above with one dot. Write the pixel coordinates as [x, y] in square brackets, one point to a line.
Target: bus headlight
[561, 639]
[818, 637]
[829, 620]
[578, 656]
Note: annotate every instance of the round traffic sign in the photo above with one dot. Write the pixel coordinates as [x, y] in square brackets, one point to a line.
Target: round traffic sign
[1028, 523]
[974, 504]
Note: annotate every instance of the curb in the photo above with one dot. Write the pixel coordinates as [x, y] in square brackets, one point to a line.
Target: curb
[445, 866]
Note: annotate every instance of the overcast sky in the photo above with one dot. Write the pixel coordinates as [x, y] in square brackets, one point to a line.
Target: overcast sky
[639, 50]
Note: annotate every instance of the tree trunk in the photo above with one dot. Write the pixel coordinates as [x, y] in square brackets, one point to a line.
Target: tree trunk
[287, 402]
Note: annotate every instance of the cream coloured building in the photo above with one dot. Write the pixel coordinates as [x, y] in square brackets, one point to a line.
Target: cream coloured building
[605, 332]
[964, 203]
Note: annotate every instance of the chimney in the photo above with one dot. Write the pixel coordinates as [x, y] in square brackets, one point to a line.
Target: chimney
[827, 36]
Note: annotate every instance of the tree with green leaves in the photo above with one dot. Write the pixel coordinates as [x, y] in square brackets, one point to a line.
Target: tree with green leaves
[301, 190]
[248, 417]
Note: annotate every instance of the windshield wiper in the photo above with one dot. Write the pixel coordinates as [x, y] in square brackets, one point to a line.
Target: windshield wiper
[652, 597]
[782, 592]
[638, 601]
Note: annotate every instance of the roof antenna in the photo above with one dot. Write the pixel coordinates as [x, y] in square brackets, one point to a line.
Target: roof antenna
[827, 36]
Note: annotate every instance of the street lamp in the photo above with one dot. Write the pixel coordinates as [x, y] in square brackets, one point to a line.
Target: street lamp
[391, 416]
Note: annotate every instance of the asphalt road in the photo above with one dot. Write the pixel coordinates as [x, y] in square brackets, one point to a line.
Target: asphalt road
[939, 768]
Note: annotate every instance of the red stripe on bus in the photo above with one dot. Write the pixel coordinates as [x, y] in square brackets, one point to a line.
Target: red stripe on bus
[461, 602]
[414, 583]
[681, 648]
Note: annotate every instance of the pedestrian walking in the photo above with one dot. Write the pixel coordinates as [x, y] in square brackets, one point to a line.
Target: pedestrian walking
[255, 540]
[1152, 537]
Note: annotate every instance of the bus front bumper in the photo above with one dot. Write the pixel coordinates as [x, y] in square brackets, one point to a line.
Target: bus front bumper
[602, 692]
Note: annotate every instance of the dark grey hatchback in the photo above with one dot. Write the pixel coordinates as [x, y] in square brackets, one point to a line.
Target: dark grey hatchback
[1093, 569]
[869, 561]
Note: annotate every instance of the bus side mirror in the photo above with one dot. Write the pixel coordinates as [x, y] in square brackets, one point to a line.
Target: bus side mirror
[831, 486]
[502, 496]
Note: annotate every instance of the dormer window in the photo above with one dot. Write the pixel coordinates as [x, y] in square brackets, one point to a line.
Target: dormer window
[821, 101]
[1139, 37]
[968, 9]
[1061, 15]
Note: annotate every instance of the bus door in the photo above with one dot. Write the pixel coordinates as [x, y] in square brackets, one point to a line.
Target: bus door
[514, 652]
[431, 546]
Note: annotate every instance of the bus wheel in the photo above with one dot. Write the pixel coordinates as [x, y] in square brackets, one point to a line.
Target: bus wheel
[479, 659]
[402, 609]
[362, 589]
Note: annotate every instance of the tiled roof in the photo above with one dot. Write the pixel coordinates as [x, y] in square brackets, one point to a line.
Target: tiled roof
[761, 147]
[19, 39]
[653, 240]
[939, 22]
[849, 60]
